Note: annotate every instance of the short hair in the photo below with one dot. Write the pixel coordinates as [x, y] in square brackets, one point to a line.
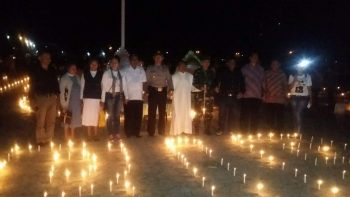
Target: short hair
[181, 62]
[94, 59]
[115, 57]
[205, 57]
[70, 64]
[134, 56]
[158, 53]
[42, 52]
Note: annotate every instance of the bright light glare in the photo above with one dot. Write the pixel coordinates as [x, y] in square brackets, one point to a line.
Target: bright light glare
[304, 63]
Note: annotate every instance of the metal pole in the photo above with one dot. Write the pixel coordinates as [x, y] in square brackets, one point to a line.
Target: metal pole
[123, 25]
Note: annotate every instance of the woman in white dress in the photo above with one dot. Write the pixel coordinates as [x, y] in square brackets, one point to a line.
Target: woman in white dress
[181, 116]
[91, 97]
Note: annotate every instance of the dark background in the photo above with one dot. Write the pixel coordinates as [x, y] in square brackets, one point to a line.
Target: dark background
[319, 29]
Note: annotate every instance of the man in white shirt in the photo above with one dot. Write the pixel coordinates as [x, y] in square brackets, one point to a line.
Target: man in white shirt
[135, 79]
[112, 89]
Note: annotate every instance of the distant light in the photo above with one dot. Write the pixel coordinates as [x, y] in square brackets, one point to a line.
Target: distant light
[62, 52]
[13, 57]
[20, 37]
[103, 53]
[338, 87]
[166, 52]
[7, 37]
[197, 52]
[110, 48]
[304, 63]
[342, 94]
[334, 190]
[88, 54]
[237, 53]
[290, 52]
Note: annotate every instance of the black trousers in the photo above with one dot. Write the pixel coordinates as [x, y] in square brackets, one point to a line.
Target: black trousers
[275, 116]
[206, 115]
[228, 113]
[133, 117]
[250, 109]
[156, 100]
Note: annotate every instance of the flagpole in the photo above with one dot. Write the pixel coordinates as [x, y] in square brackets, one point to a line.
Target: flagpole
[122, 46]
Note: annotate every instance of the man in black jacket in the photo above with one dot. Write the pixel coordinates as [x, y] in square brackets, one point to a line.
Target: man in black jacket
[44, 97]
[229, 83]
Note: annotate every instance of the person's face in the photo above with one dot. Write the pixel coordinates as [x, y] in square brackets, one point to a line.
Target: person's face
[254, 59]
[45, 59]
[205, 64]
[134, 61]
[114, 63]
[182, 67]
[300, 70]
[275, 65]
[72, 69]
[93, 66]
[158, 59]
[231, 64]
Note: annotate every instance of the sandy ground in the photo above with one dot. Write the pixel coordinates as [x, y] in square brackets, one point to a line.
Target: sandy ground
[156, 171]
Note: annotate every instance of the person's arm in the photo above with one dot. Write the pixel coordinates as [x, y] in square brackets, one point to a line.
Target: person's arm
[217, 81]
[291, 82]
[125, 87]
[62, 86]
[169, 81]
[104, 87]
[82, 86]
[309, 89]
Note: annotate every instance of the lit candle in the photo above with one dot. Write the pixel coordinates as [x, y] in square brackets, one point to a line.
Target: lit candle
[343, 159]
[125, 174]
[310, 145]
[110, 185]
[50, 176]
[210, 151]
[305, 178]
[305, 156]
[334, 190]
[127, 185]
[222, 161]
[281, 136]
[295, 172]
[203, 181]
[45, 193]
[321, 140]
[69, 155]
[117, 176]
[283, 146]
[63, 194]
[228, 166]
[52, 145]
[133, 190]
[83, 174]
[244, 176]
[67, 174]
[261, 153]
[344, 171]
[195, 171]
[38, 148]
[283, 164]
[345, 146]
[79, 191]
[319, 183]
[259, 136]
[30, 147]
[326, 158]
[109, 145]
[331, 143]
[260, 186]
[212, 190]
[312, 139]
[129, 167]
[234, 171]
[8, 157]
[251, 147]
[271, 158]
[298, 153]
[92, 189]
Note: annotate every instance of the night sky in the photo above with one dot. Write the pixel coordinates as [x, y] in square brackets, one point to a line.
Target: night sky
[218, 28]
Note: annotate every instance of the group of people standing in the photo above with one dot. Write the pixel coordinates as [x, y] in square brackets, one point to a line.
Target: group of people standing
[240, 93]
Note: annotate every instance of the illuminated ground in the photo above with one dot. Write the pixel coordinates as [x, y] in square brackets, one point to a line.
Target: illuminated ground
[160, 170]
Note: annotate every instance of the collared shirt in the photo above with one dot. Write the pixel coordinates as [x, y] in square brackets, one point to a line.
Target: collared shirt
[159, 77]
[43, 81]
[275, 86]
[134, 79]
[300, 88]
[253, 79]
[107, 81]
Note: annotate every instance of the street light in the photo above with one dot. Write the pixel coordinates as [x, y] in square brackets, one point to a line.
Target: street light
[7, 37]
[304, 63]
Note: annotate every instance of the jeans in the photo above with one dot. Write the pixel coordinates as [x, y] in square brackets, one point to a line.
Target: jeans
[250, 109]
[299, 104]
[113, 109]
[228, 114]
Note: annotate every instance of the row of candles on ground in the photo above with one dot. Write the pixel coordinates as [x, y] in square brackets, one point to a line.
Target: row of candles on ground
[325, 149]
[85, 155]
[173, 143]
[23, 81]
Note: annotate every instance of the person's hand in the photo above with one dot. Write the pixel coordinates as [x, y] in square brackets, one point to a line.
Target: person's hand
[170, 94]
[126, 101]
[309, 104]
[216, 90]
[102, 105]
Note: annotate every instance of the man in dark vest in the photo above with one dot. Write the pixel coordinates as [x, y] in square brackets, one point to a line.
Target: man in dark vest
[91, 98]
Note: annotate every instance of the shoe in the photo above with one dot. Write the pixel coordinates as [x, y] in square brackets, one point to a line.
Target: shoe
[117, 137]
[218, 133]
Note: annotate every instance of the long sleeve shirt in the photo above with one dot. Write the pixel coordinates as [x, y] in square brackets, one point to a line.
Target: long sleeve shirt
[159, 77]
[275, 86]
[44, 82]
[229, 82]
[107, 81]
[203, 78]
[134, 80]
[253, 79]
